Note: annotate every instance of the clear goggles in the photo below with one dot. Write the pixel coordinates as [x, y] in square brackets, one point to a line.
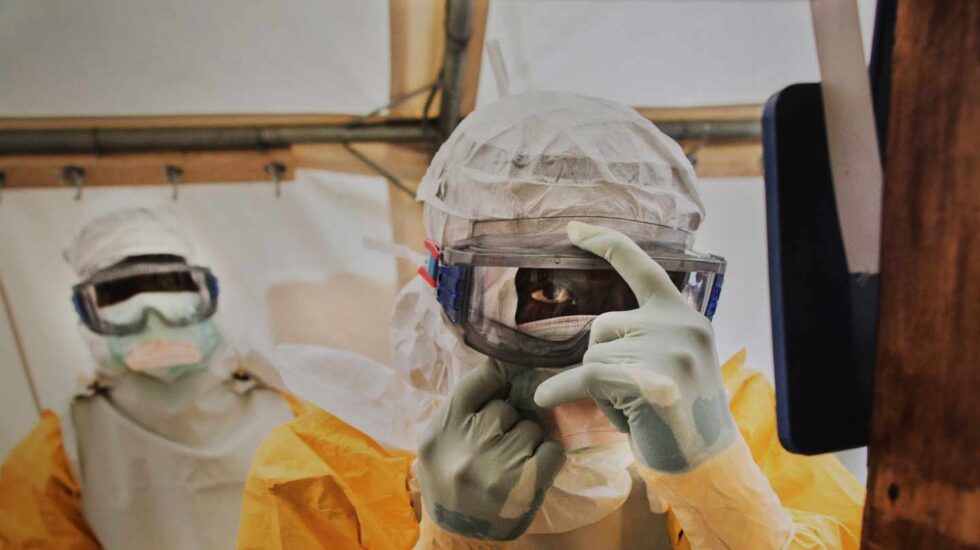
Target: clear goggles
[119, 300]
[531, 299]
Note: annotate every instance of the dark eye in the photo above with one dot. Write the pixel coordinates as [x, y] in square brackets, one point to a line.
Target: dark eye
[552, 295]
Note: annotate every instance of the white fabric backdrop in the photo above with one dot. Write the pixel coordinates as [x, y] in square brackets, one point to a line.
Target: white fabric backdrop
[17, 412]
[735, 227]
[658, 53]
[151, 57]
[259, 247]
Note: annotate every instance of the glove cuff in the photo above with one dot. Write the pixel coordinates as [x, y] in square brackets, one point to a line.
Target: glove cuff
[725, 502]
[433, 537]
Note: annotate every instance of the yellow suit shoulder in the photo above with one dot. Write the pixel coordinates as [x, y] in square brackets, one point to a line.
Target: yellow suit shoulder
[316, 482]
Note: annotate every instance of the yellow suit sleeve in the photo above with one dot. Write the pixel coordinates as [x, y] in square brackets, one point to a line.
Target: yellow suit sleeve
[316, 482]
[40, 501]
[823, 500]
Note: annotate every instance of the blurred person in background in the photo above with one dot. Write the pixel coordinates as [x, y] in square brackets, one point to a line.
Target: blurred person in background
[154, 450]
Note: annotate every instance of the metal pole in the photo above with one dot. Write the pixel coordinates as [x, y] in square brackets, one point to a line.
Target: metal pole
[712, 130]
[459, 24]
[96, 141]
[120, 140]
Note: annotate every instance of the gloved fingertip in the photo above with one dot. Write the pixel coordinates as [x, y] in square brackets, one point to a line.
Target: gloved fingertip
[562, 388]
[579, 231]
[543, 395]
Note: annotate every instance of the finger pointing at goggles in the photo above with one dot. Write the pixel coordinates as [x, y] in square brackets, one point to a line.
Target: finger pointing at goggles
[644, 276]
[604, 383]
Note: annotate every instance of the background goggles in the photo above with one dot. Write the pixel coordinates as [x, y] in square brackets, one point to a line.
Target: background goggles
[493, 286]
[95, 297]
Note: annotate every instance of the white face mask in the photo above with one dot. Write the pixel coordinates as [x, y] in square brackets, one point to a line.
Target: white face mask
[556, 329]
[592, 484]
[594, 481]
[575, 425]
[579, 425]
[153, 354]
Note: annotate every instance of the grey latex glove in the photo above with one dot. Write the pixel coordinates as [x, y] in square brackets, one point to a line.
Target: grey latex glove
[653, 370]
[483, 471]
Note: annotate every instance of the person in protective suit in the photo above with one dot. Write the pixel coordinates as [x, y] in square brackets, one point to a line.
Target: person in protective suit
[153, 451]
[555, 382]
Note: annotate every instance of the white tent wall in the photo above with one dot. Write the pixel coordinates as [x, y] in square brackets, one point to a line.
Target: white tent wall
[152, 57]
[266, 252]
[736, 229]
[17, 411]
[658, 53]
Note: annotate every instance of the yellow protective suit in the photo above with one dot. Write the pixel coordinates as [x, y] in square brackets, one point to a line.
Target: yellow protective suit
[316, 482]
[40, 500]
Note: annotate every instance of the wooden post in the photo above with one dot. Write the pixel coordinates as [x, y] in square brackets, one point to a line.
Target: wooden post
[924, 485]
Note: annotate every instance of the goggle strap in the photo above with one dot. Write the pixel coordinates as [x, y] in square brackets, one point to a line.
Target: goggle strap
[429, 271]
[709, 311]
[212, 283]
[78, 301]
[451, 286]
[450, 281]
[425, 272]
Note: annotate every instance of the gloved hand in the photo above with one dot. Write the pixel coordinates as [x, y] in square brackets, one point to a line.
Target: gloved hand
[483, 471]
[653, 371]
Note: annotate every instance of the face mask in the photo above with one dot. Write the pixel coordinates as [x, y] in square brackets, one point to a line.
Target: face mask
[575, 425]
[556, 329]
[579, 425]
[592, 484]
[155, 355]
[161, 351]
[594, 481]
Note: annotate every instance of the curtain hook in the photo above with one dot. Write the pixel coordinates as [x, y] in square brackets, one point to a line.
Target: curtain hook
[276, 169]
[74, 175]
[172, 173]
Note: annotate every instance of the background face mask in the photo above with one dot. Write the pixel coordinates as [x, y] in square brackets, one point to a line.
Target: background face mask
[151, 355]
[165, 352]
